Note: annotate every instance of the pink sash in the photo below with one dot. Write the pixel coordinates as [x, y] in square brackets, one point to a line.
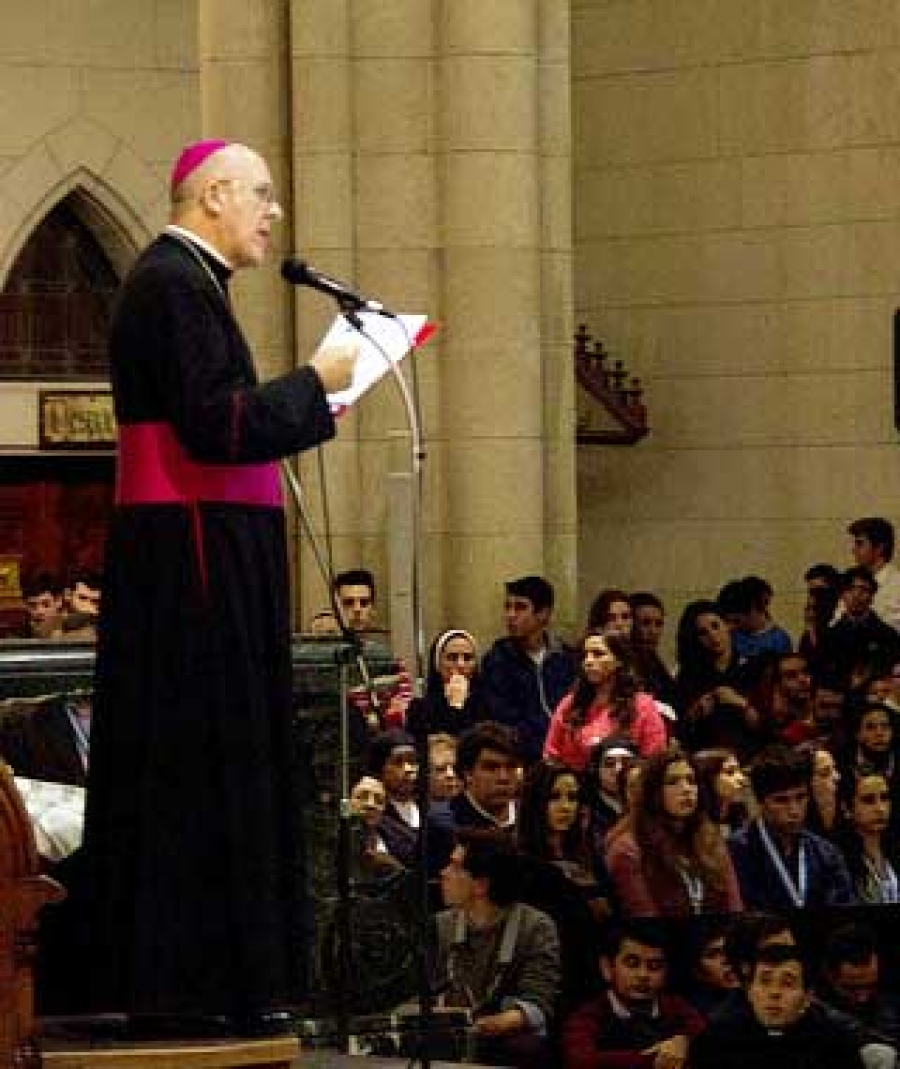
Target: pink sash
[154, 469]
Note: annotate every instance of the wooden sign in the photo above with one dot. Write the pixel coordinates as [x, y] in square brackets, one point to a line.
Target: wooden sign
[76, 419]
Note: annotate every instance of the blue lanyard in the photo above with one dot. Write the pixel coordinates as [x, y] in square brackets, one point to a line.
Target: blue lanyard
[796, 893]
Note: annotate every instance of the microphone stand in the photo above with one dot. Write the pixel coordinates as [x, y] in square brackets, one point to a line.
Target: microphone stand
[350, 309]
[350, 652]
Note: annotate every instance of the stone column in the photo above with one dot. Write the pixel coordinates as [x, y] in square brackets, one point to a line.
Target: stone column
[508, 477]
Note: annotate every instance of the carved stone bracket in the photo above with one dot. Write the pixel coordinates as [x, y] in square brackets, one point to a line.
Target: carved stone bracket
[608, 383]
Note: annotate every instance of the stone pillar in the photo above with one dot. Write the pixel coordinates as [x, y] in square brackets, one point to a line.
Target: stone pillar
[243, 94]
[506, 373]
[365, 212]
[431, 159]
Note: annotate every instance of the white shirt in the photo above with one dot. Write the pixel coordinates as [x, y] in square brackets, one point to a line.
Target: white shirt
[887, 597]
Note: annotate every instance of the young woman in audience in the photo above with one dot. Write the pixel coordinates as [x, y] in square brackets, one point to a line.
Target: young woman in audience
[871, 852]
[552, 826]
[723, 787]
[605, 700]
[604, 784]
[713, 682]
[611, 613]
[453, 699]
[823, 811]
[670, 859]
[868, 739]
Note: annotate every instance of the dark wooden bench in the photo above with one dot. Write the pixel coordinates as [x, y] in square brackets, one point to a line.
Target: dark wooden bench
[23, 891]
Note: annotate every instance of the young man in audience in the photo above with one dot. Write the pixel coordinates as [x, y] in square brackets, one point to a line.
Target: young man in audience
[873, 548]
[776, 1024]
[634, 1023]
[853, 981]
[744, 603]
[859, 645]
[711, 977]
[82, 604]
[379, 706]
[489, 763]
[43, 594]
[527, 673]
[497, 957]
[779, 863]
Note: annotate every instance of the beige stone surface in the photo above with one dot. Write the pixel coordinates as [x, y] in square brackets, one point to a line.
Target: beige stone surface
[82, 144]
[471, 26]
[177, 29]
[669, 115]
[241, 29]
[161, 105]
[393, 28]
[394, 105]
[322, 104]
[324, 190]
[396, 201]
[34, 100]
[243, 101]
[493, 103]
[490, 199]
[726, 266]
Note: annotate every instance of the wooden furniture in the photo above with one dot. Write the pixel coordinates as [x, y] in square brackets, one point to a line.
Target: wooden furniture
[280, 1053]
[23, 890]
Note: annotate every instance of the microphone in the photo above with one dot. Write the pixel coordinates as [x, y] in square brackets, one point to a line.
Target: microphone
[299, 273]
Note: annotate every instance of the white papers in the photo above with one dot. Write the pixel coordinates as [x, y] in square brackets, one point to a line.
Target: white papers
[396, 336]
[57, 815]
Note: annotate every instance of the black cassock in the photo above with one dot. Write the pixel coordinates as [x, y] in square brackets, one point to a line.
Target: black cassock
[192, 838]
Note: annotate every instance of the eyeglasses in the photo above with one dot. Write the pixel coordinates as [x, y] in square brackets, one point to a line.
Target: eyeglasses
[264, 192]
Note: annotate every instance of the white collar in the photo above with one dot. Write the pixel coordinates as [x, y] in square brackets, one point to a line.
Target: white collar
[623, 1012]
[181, 231]
[507, 821]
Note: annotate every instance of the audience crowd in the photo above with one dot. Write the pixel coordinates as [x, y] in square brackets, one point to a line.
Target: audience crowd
[637, 858]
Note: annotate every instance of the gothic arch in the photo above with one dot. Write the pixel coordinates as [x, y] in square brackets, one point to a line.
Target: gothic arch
[120, 228]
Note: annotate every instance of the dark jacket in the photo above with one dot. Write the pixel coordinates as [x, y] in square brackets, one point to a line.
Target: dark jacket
[40, 743]
[736, 1040]
[522, 694]
[828, 882]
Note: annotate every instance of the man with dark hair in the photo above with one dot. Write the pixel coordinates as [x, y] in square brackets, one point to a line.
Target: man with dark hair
[496, 956]
[859, 645]
[778, 862]
[43, 593]
[354, 590]
[488, 761]
[527, 673]
[776, 1024]
[378, 705]
[634, 1023]
[82, 603]
[852, 980]
[744, 603]
[822, 576]
[873, 548]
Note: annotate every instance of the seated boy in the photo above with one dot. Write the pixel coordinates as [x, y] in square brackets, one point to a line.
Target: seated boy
[633, 1023]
